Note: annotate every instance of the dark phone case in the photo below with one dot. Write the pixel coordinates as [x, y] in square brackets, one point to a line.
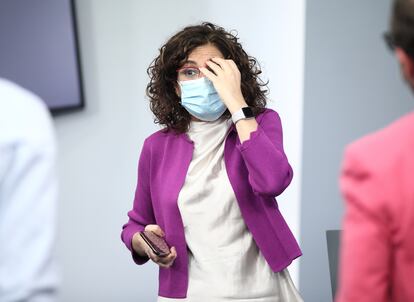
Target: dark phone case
[157, 244]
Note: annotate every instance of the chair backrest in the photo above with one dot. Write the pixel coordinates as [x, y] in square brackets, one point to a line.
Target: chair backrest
[332, 239]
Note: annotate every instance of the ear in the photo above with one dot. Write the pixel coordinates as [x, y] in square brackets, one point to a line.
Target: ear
[406, 64]
[177, 90]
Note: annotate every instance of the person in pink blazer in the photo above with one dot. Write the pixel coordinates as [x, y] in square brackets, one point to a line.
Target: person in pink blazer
[377, 183]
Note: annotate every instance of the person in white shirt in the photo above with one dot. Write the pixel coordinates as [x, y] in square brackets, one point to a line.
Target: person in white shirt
[28, 197]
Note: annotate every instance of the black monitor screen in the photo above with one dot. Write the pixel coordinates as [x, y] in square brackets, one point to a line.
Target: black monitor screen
[39, 50]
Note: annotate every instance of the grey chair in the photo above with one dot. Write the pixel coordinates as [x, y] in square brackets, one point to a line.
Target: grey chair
[332, 239]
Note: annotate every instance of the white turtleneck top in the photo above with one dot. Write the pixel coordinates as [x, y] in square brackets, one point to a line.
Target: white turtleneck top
[225, 263]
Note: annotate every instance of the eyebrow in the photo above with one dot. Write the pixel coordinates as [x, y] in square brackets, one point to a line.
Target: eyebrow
[194, 62]
[190, 62]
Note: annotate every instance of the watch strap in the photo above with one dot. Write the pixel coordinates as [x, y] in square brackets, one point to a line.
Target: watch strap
[242, 114]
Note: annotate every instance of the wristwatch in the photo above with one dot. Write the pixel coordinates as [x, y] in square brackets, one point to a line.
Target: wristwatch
[243, 113]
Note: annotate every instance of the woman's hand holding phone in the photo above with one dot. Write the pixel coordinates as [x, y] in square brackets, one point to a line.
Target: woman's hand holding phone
[141, 245]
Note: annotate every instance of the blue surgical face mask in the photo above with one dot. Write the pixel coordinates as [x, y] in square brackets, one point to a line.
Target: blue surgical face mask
[200, 99]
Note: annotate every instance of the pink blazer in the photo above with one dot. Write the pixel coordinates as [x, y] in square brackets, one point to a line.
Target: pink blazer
[377, 245]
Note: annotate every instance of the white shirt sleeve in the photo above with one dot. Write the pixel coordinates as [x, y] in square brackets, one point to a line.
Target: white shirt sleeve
[27, 218]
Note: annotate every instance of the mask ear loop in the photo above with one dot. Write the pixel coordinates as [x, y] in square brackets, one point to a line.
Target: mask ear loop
[178, 89]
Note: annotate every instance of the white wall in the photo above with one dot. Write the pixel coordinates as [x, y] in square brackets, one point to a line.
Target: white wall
[99, 147]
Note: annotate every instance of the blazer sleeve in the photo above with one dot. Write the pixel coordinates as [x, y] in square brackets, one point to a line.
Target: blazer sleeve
[269, 170]
[142, 212]
[364, 268]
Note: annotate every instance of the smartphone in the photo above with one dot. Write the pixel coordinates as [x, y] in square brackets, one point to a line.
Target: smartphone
[157, 244]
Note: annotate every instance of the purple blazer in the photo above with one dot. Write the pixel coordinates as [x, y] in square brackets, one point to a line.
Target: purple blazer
[258, 171]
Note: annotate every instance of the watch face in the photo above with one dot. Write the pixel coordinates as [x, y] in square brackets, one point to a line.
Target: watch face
[248, 112]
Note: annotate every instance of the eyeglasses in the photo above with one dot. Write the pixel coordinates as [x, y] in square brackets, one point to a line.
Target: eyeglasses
[189, 73]
[389, 40]
[392, 44]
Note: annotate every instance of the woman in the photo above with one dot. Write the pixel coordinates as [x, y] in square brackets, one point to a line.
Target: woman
[207, 182]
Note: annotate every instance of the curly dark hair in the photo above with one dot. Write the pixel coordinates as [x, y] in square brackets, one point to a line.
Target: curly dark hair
[161, 90]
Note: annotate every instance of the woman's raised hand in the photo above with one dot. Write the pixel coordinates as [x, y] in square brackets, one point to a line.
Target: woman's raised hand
[226, 79]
